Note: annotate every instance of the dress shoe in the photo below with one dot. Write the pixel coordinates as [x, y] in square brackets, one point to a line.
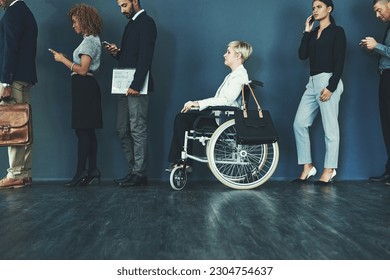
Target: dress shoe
[312, 172]
[78, 180]
[9, 183]
[27, 181]
[323, 183]
[93, 177]
[124, 179]
[383, 178]
[135, 180]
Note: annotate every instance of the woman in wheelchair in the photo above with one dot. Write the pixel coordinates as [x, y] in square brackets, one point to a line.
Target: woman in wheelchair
[228, 94]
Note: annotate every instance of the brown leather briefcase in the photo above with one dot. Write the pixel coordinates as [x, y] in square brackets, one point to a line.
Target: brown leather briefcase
[15, 124]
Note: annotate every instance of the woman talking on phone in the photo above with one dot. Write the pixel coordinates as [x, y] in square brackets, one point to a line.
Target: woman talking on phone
[324, 46]
[86, 103]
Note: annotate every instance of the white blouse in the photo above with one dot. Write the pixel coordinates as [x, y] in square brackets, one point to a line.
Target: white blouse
[228, 94]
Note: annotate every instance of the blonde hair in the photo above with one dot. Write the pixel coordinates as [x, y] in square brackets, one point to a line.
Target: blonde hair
[243, 48]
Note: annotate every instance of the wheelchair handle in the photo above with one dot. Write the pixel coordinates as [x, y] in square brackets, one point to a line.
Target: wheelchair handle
[255, 83]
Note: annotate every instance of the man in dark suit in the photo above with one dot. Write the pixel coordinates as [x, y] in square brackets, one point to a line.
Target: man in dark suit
[18, 45]
[382, 48]
[136, 51]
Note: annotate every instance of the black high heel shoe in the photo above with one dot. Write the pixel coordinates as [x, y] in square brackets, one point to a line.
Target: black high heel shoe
[312, 172]
[78, 180]
[93, 177]
[323, 183]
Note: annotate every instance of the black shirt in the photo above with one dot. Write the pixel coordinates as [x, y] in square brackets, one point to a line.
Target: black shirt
[326, 54]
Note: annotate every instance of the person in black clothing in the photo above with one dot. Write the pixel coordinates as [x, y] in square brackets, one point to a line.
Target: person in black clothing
[18, 47]
[86, 96]
[382, 11]
[136, 52]
[325, 47]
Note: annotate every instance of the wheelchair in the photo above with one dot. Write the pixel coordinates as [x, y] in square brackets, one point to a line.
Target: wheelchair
[235, 165]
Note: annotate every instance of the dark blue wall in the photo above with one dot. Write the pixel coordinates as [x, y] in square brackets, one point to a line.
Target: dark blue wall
[188, 64]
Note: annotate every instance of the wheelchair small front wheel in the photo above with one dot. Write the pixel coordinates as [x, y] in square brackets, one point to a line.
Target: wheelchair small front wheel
[178, 178]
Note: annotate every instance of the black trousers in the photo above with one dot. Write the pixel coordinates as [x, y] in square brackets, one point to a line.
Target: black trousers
[185, 122]
[384, 110]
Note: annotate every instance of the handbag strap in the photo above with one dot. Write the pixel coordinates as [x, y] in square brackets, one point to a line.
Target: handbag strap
[245, 112]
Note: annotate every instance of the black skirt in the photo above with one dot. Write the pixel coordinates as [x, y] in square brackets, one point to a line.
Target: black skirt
[86, 103]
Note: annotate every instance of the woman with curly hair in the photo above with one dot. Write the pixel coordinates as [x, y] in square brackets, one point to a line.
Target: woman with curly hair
[86, 97]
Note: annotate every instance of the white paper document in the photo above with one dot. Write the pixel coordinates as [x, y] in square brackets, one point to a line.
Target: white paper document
[122, 79]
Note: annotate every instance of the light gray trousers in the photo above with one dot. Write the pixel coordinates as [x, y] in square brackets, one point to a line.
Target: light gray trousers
[307, 111]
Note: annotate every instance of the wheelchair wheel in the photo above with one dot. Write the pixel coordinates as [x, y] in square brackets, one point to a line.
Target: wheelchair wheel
[178, 178]
[240, 166]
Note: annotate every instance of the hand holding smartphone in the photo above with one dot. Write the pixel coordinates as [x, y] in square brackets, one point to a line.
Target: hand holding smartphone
[311, 20]
[112, 48]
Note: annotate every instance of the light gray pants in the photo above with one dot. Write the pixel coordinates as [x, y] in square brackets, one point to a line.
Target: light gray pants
[132, 131]
[20, 157]
[307, 111]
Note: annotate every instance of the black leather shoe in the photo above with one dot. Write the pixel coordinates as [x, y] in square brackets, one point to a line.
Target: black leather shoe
[124, 179]
[78, 180]
[383, 178]
[135, 180]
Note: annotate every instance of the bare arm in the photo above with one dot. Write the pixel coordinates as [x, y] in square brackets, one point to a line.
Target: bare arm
[81, 69]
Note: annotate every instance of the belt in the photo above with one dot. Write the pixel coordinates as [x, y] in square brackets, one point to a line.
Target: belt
[88, 74]
[384, 71]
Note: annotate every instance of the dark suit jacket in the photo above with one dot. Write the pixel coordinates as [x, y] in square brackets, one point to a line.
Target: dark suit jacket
[137, 48]
[18, 44]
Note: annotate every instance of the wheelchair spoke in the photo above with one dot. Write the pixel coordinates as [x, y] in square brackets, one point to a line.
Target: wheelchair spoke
[240, 166]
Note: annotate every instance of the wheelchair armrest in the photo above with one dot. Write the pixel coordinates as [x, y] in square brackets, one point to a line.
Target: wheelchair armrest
[223, 108]
[208, 114]
[201, 117]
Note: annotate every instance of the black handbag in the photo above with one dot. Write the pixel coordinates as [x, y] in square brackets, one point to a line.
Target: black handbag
[254, 126]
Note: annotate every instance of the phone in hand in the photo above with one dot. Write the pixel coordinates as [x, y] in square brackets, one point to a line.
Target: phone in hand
[311, 19]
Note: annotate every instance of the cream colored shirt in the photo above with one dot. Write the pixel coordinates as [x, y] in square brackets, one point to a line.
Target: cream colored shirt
[228, 94]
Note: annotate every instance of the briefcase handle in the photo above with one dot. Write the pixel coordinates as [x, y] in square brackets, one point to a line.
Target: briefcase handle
[254, 97]
[8, 99]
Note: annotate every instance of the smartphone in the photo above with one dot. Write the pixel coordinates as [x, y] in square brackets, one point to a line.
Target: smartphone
[311, 19]
[106, 43]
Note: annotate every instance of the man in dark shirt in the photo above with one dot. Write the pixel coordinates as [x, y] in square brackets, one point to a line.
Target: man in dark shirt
[18, 45]
[136, 51]
[382, 11]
